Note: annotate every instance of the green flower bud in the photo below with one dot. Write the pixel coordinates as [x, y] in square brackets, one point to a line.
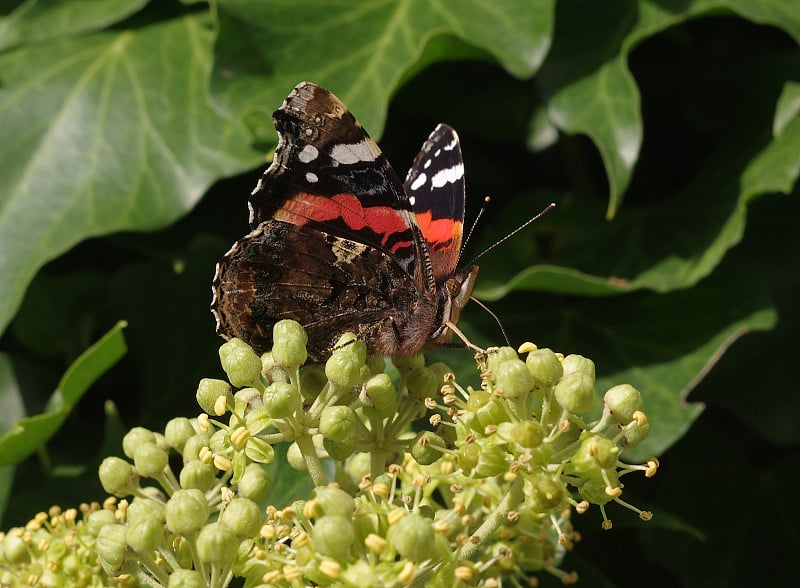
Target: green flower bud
[594, 491]
[178, 431]
[289, 348]
[240, 362]
[413, 537]
[525, 434]
[486, 410]
[255, 483]
[281, 400]
[99, 519]
[150, 460]
[187, 511]
[544, 367]
[311, 569]
[199, 475]
[361, 573]
[545, 492]
[513, 378]
[142, 509]
[336, 450]
[15, 551]
[257, 420]
[216, 544]
[493, 460]
[271, 369]
[209, 390]
[499, 356]
[440, 369]
[575, 392]
[161, 442]
[596, 453]
[134, 438]
[380, 392]
[295, 458]
[193, 445]
[468, 456]
[343, 367]
[334, 501]
[409, 363]
[220, 441]
[118, 477]
[578, 363]
[111, 545]
[376, 364]
[339, 424]
[427, 449]
[181, 578]
[623, 401]
[635, 433]
[333, 536]
[312, 381]
[146, 535]
[259, 451]
[247, 399]
[423, 382]
[242, 517]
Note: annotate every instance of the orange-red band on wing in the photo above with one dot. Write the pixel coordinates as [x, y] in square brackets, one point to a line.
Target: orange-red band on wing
[384, 221]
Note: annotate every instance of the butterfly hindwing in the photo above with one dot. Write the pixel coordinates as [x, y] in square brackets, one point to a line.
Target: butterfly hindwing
[328, 284]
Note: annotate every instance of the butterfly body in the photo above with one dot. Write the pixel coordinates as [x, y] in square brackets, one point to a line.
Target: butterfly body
[339, 244]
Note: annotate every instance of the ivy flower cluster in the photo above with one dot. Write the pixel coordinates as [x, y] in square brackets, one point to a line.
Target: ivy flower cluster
[419, 480]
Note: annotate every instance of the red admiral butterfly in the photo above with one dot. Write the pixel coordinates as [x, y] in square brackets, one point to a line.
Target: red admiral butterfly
[339, 244]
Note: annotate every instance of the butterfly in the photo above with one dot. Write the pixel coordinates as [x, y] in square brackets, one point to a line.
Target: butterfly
[340, 244]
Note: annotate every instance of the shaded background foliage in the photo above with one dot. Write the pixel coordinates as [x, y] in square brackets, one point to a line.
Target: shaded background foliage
[667, 131]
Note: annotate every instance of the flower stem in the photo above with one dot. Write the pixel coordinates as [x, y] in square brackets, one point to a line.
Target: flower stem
[306, 445]
[493, 522]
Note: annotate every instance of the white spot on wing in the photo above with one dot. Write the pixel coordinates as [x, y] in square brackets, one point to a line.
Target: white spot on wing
[348, 154]
[348, 251]
[448, 176]
[309, 153]
[312, 178]
[451, 145]
[412, 201]
[419, 182]
[427, 164]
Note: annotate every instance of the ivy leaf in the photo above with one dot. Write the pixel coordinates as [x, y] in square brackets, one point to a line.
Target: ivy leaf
[102, 133]
[29, 433]
[788, 107]
[586, 80]
[670, 244]
[37, 20]
[12, 410]
[265, 48]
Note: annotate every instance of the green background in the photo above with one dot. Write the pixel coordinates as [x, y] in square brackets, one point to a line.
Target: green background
[666, 131]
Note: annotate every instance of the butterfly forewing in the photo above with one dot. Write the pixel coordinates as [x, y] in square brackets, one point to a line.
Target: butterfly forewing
[330, 174]
[435, 186]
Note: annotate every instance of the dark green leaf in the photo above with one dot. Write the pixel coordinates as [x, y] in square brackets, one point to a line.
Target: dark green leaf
[588, 84]
[265, 48]
[102, 133]
[38, 20]
[29, 433]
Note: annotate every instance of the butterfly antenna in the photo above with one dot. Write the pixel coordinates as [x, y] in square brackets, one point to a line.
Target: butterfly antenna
[494, 316]
[547, 209]
[486, 202]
